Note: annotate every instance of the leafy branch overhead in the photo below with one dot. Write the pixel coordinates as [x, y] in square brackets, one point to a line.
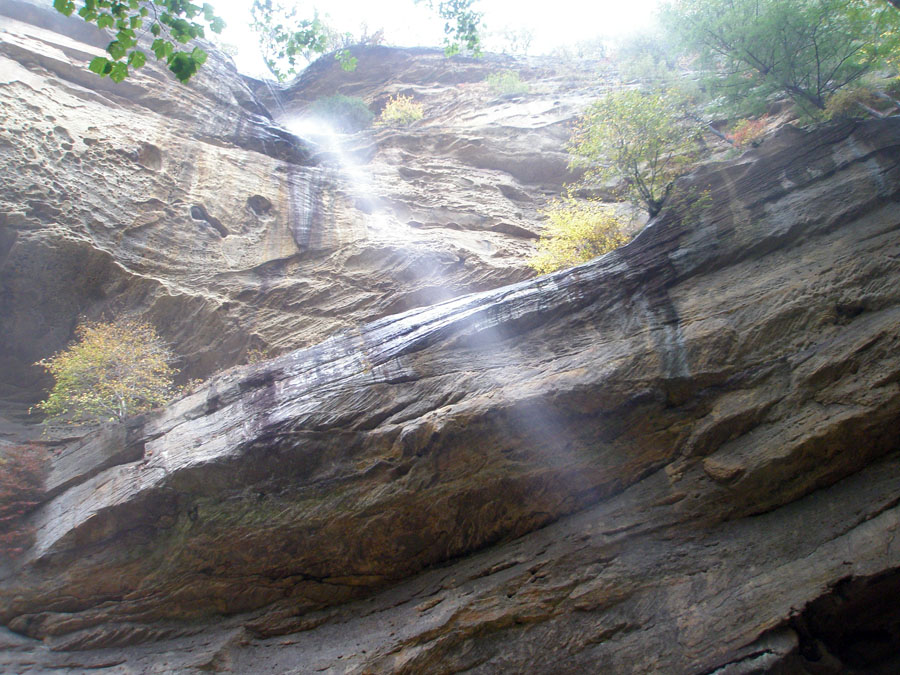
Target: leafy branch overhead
[461, 25]
[171, 23]
[287, 41]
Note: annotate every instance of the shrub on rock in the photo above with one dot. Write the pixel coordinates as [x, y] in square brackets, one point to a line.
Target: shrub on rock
[345, 113]
[112, 371]
[576, 232]
[507, 82]
[401, 111]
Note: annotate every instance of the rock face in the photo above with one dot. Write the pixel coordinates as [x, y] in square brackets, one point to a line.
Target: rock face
[689, 447]
[680, 457]
[190, 207]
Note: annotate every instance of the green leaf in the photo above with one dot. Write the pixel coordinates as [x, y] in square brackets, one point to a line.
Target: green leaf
[116, 50]
[98, 65]
[105, 21]
[159, 48]
[217, 25]
[64, 6]
[155, 29]
[346, 59]
[137, 59]
[119, 72]
[199, 56]
[182, 66]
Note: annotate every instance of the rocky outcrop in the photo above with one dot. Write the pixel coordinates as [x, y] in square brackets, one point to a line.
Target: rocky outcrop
[191, 207]
[680, 457]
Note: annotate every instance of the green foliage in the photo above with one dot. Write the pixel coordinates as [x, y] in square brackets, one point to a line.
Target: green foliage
[285, 39]
[852, 102]
[647, 58]
[344, 113]
[288, 42]
[401, 111]
[506, 82]
[171, 22]
[112, 371]
[22, 473]
[576, 232]
[892, 87]
[805, 49]
[461, 25]
[643, 139]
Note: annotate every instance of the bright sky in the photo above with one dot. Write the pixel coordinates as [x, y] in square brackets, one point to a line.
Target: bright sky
[554, 23]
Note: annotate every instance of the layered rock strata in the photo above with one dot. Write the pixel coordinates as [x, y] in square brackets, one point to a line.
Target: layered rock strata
[191, 207]
[680, 457]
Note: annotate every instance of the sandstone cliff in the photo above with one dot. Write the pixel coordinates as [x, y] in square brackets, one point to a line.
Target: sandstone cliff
[681, 457]
[191, 207]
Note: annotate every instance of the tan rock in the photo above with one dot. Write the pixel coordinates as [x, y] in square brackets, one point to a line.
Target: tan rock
[680, 457]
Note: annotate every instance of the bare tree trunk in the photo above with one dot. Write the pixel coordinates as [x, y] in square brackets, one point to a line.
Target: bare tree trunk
[716, 132]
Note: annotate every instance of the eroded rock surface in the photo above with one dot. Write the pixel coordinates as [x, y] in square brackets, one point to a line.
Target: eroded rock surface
[192, 208]
[680, 457]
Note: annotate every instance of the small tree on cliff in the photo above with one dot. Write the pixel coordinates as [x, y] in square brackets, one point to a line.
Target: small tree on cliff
[111, 371]
[642, 139]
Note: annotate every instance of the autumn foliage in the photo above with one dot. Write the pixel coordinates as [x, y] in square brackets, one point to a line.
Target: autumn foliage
[401, 111]
[22, 470]
[111, 371]
[575, 233]
[748, 132]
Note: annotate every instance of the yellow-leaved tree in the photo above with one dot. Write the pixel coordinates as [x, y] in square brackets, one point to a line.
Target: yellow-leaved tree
[112, 371]
[575, 233]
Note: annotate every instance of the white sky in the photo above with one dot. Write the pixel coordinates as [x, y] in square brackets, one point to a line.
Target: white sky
[554, 23]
